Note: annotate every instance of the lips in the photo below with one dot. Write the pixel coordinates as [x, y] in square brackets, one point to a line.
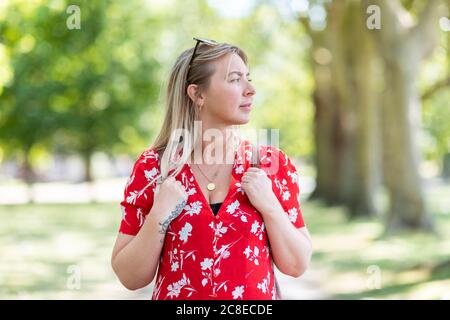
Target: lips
[246, 105]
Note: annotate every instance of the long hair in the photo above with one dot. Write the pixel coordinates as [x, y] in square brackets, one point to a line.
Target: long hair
[177, 140]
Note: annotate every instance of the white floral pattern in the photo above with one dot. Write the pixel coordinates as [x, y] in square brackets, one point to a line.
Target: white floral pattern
[239, 169]
[234, 210]
[185, 232]
[264, 284]
[213, 257]
[175, 288]
[252, 255]
[140, 217]
[258, 229]
[238, 292]
[150, 174]
[178, 256]
[293, 213]
[193, 208]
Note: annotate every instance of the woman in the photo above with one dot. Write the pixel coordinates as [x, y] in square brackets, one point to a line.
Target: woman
[211, 229]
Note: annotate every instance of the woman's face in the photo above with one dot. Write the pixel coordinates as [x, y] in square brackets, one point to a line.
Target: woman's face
[228, 98]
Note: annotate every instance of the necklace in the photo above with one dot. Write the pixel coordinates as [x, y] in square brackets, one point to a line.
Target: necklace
[210, 186]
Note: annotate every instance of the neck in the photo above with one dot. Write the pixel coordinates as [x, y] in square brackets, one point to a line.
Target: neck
[218, 148]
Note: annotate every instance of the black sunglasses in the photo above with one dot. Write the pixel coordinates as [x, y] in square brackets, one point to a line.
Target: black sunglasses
[199, 40]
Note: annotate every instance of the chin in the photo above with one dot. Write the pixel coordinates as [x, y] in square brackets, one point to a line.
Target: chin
[242, 121]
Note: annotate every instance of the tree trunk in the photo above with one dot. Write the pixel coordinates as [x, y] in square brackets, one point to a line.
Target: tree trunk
[327, 124]
[87, 154]
[341, 67]
[325, 135]
[400, 119]
[27, 174]
[403, 46]
[367, 149]
[87, 157]
[346, 116]
[446, 166]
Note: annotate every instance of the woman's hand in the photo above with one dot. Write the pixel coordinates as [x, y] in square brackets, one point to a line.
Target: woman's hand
[258, 187]
[169, 200]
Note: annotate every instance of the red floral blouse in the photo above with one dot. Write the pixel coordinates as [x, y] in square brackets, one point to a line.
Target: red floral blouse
[207, 256]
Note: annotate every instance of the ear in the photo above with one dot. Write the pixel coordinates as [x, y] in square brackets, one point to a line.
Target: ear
[195, 94]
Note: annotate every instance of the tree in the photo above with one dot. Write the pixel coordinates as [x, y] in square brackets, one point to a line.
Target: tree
[346, 112]
[403, 45]
[82, 90]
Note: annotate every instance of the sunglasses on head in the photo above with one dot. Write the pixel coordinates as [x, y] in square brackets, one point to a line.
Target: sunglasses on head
[199, 40]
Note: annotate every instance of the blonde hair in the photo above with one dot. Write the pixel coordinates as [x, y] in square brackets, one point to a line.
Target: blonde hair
[177, 140]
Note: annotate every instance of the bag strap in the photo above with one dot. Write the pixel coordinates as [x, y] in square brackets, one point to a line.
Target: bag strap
[256, 162]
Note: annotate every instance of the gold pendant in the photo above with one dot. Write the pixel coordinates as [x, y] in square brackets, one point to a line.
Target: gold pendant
[211, 186]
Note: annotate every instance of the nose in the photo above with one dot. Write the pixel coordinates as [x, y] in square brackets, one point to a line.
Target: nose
[250, 90]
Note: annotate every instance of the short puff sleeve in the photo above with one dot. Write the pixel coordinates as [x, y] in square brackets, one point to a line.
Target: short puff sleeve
[284, 176]
[138, 194]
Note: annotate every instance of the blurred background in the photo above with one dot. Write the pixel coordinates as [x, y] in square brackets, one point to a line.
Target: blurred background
[360, 91]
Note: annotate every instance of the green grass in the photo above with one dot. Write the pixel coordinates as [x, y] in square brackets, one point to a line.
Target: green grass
[39, 243]
[355, 261]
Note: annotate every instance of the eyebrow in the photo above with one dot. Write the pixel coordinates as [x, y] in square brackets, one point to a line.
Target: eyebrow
[239, 73]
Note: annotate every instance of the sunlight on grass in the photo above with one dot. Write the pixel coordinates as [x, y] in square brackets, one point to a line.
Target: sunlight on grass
[345, 252]
[40, 243]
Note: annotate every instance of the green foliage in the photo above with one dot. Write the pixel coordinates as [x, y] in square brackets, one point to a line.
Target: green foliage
[278, 53]
[78, 90]
[436, 111]
[102, 88]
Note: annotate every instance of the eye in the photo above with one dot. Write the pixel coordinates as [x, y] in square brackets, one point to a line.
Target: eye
[236, 80]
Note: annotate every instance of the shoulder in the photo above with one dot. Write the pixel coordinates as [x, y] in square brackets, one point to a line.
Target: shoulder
[148, 159]
[275, 160]
[146, 167]
[272, 151]
[274, 154]
[264, 150]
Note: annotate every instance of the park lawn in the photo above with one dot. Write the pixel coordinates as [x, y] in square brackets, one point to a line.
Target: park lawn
[45, 249]
[356, 261]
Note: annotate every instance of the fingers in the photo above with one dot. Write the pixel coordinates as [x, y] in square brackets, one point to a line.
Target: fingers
[254, 169]
[169, 180]
[179, 185]
[251, 175]
[175, 186]
[172, 180]
[246, 180]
